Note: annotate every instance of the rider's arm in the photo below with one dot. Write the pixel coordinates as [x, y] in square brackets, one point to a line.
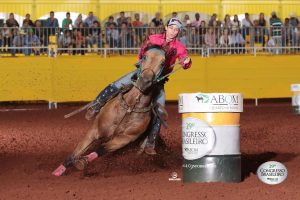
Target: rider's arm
[182, 53]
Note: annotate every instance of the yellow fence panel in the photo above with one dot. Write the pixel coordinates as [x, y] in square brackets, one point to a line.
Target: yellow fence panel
[80, 78]
[25, 78]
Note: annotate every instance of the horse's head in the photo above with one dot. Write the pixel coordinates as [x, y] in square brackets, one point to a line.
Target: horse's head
[152, 66]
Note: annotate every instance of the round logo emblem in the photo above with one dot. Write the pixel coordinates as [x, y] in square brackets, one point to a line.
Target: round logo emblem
[272, 172]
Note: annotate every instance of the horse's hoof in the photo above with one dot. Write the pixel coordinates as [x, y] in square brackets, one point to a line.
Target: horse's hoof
[150, 151]
[59, 171]
[81, 164]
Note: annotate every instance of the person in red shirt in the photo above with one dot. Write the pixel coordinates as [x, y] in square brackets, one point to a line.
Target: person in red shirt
[174, 50]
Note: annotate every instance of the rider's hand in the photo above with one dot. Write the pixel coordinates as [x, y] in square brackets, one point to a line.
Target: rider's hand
[186, 63]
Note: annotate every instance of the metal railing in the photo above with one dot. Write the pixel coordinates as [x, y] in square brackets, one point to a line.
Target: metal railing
[128, 40]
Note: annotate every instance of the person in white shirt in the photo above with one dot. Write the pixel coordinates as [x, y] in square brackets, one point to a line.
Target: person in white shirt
[238, 42]
[196, 23]
[246, 25]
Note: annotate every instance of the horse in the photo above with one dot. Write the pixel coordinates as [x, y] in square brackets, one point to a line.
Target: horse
[124, 118]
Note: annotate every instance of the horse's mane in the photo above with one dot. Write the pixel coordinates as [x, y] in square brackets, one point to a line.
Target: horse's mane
[154, 46]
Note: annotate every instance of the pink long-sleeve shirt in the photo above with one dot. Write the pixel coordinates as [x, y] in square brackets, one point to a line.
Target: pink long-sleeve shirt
[176, 50]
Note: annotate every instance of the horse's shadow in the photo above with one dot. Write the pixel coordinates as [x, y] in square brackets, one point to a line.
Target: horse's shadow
[251, 162]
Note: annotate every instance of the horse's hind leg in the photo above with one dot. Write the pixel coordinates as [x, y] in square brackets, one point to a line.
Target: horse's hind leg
[91, 137]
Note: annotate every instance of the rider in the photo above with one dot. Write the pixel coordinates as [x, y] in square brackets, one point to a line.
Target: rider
[174, 50]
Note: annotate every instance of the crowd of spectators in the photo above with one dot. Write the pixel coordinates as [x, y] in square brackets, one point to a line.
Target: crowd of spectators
[228, 35]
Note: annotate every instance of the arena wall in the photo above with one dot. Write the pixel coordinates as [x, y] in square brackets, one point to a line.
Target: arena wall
[80, 78]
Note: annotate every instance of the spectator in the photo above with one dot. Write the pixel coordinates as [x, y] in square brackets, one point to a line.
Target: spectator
[210, 38]
[263, 32]
[39, 31]
[139, 30]
[227, 24]
[6, 36]
[157, 20]
[65, 41]
[26, 26]
[73, 36]
[33, 42]
[137, 22]
[297, 31]
[28, 20]
[287, 30]
[78, 20]
[174, 15]
[238, 41]
[125, 39]
[121, 19]
[151, 30]
[186, 21]
[112, 36]
[196, 23]
[110, 21]
[79, 42]
[88, 22]
[261, 20]
[11, 22]
[294, 24]
[182, 38]
[212, 19]
[276, 30]
[1, 41]
[130, 31]
[225, 41]
[129, 22]
[294, 20]
[193, 39]
[84, 30]
[95, 37]
[258, 33]
[201, 32]
[246, 25]
[18, 41]
[236, 23]
[52, 24]
[67, 22]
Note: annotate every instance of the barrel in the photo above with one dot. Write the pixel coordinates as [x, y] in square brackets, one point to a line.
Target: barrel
[295, 88]
[211, 136]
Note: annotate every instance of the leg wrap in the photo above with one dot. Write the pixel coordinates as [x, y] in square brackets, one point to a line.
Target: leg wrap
[153, 132]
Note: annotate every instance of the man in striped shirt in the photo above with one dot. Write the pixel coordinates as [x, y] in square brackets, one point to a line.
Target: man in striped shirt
[276, 31]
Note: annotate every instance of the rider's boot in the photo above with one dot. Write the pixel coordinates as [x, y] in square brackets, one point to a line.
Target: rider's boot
[152, 137]
[100, 101]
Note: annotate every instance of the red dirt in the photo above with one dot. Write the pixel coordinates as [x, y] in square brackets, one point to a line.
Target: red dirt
[33, 143]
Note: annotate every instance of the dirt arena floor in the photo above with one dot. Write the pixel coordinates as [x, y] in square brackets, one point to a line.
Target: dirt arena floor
[34, 142]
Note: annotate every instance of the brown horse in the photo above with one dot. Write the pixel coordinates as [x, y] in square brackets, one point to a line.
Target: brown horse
[122, 119]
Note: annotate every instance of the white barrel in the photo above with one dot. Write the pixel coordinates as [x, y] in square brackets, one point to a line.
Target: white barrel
[211, 136]
[295, 89]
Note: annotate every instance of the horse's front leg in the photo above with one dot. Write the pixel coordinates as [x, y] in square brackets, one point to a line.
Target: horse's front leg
[91, 137]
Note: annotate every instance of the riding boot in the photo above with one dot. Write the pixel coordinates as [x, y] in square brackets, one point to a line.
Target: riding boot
[152, 137]
[100, 101]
